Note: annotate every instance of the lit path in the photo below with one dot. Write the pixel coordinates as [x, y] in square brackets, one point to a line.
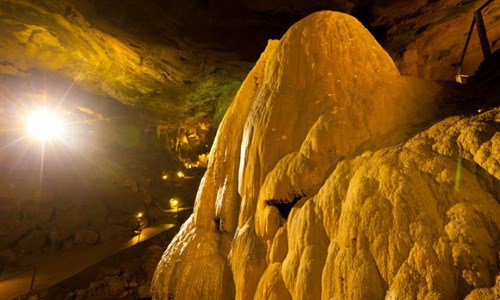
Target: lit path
[178, 210]
[51, 272]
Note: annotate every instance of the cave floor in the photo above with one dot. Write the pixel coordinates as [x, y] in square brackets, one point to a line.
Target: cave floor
[53, 270]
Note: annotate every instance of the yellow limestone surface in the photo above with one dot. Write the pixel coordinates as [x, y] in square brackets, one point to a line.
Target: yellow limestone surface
[69, 39]
[384, 205]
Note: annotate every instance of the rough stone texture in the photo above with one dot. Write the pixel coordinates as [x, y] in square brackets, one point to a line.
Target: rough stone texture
[152, 256]
[426, 38]
[334, 177]
[186, 60]
[86, 237]
[165, 79]
[115, 286]
[123, 277]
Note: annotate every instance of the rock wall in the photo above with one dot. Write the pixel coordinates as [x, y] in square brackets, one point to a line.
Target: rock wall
[157, 70]
[334, 177]
[426, 38]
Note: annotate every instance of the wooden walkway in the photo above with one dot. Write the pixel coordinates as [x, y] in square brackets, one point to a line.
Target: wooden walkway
[51, 272]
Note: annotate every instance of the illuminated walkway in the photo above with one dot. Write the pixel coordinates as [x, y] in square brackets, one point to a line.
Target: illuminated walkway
[54, 271]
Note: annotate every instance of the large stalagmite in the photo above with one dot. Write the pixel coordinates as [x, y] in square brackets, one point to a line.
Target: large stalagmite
[330, 178]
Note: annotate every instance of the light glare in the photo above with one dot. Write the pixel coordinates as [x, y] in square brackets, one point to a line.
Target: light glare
[44, 125]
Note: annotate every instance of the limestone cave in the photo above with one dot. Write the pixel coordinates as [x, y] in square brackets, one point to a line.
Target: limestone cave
[216, 149]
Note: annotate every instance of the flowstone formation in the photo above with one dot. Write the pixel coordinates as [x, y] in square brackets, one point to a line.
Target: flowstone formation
[334, 177]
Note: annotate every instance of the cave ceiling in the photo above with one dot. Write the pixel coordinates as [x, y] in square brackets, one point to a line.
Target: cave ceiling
[184, 60]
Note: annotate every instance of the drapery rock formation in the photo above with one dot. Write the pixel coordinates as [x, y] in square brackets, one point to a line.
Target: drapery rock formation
[334, 177]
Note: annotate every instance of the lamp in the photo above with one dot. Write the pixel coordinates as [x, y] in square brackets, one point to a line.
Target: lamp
[174, 203]
[44, 125]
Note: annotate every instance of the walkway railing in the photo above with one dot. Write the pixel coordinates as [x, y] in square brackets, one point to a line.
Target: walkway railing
[478, 22]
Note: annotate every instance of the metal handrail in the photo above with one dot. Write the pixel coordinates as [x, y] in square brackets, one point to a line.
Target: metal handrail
[483, 38]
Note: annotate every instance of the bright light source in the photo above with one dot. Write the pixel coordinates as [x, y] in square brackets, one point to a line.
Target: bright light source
[164, 177]
[174, 203]
[44, 125]
[139, 215]
[180, 174]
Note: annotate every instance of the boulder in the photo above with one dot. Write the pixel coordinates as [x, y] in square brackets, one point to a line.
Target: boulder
[33, 242]
[144, 291]
[86, 237]
[115, 286]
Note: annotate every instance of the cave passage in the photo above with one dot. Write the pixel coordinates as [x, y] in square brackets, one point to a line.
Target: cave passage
[284, 206]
